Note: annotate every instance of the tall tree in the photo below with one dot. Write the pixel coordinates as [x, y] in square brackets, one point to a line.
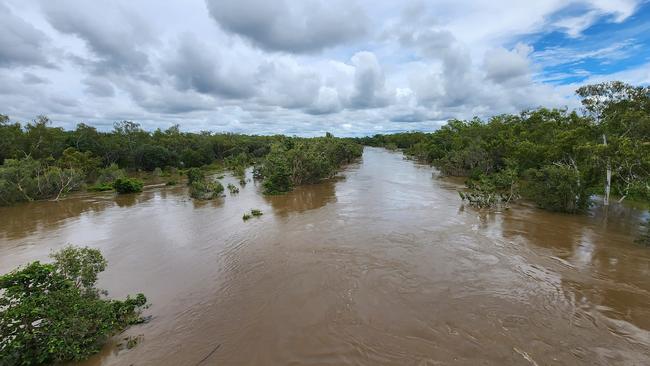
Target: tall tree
[621, 112]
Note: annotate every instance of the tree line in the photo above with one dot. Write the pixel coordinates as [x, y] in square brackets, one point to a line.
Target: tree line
[557, 158]
[39, 161]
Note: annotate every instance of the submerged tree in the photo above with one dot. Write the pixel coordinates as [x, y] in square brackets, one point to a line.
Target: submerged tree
[206, 190]
[296, 161]
[497, 190]
[128, 185]
[557, 187]
[52, 313]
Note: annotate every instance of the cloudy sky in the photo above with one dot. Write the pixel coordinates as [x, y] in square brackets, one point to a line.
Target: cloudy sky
[352, 67]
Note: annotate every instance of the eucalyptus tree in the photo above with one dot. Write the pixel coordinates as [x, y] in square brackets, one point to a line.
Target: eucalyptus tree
[622, 113]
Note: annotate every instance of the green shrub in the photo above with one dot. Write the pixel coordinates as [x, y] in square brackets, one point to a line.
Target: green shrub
[101, 187]
[52, 313]
[232, 188]
[128, 185]
[205, 190]
[557, 188]
[277, 172]
[171, 183]
[28, 179]
[110, 174]
[195, 175]
[256, 212]
[246, 217]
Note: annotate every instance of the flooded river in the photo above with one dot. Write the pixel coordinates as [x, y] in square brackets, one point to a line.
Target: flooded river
[381, 266]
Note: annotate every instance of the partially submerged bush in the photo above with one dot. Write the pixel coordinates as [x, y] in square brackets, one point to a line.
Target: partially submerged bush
[195, 175]
[52, 313]
[232, 188]
[557, 188]
[28, 179]
[239, 171]
[205, 190]
[128, 185]
[253, 213]
[497, 190]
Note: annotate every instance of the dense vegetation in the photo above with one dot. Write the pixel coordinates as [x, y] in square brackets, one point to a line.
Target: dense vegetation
[51, 313]
[127, 185]
[38, 161]
[556, 158]
[295, 161]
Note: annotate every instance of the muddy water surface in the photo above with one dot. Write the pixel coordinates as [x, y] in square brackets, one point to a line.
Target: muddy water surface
[382, 266]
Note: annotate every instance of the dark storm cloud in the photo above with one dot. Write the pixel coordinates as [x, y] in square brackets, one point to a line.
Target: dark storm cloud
[20, 43]
[195, 67]
[291, 26]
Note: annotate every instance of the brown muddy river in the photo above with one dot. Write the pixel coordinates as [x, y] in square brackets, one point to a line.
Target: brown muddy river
[383, 266]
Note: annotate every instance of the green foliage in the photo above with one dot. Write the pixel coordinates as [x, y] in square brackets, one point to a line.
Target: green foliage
[110, 173]
[232, 188]
[256, 212]
[391, 146]
[81, 266]
[296, 161]
[128, 185]
[83, 162]
[148, 157]
[171, 183]
[51, 313]
[557, 188]
[28, 179]
[195, 175]
[206, 190]
[246, 217]
[497, 190]
[101, 187]
[277, 171]
[239, 172]
[66, 159]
